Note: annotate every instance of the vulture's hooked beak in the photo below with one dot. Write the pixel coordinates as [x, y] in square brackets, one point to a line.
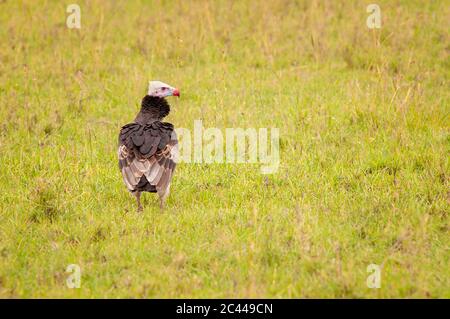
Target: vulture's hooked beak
[176, 92]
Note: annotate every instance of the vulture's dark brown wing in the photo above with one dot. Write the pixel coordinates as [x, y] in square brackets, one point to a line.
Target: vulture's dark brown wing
[150, 150]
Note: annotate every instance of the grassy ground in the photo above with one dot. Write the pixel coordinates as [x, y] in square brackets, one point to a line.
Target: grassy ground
[364, 174]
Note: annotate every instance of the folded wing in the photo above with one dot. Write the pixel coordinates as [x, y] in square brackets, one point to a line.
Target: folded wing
[149, 150]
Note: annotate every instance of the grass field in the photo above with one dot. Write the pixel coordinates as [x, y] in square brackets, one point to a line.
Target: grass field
[364, 145]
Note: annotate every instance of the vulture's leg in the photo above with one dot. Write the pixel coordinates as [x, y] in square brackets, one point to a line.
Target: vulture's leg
[138, 201]
[163, 196]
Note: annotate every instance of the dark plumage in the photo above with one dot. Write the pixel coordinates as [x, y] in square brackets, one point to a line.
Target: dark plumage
[148, 149]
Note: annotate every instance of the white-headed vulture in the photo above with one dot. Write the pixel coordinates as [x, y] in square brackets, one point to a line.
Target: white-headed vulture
[148, 147]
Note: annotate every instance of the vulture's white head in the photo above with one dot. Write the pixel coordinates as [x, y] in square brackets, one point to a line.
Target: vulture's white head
[161, 89]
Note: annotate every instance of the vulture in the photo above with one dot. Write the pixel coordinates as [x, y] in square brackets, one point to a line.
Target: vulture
[148, 147]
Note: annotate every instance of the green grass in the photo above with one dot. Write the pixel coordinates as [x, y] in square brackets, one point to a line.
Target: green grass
[364, 174]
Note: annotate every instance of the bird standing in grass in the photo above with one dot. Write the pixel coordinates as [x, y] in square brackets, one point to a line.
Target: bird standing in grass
[148, 148]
